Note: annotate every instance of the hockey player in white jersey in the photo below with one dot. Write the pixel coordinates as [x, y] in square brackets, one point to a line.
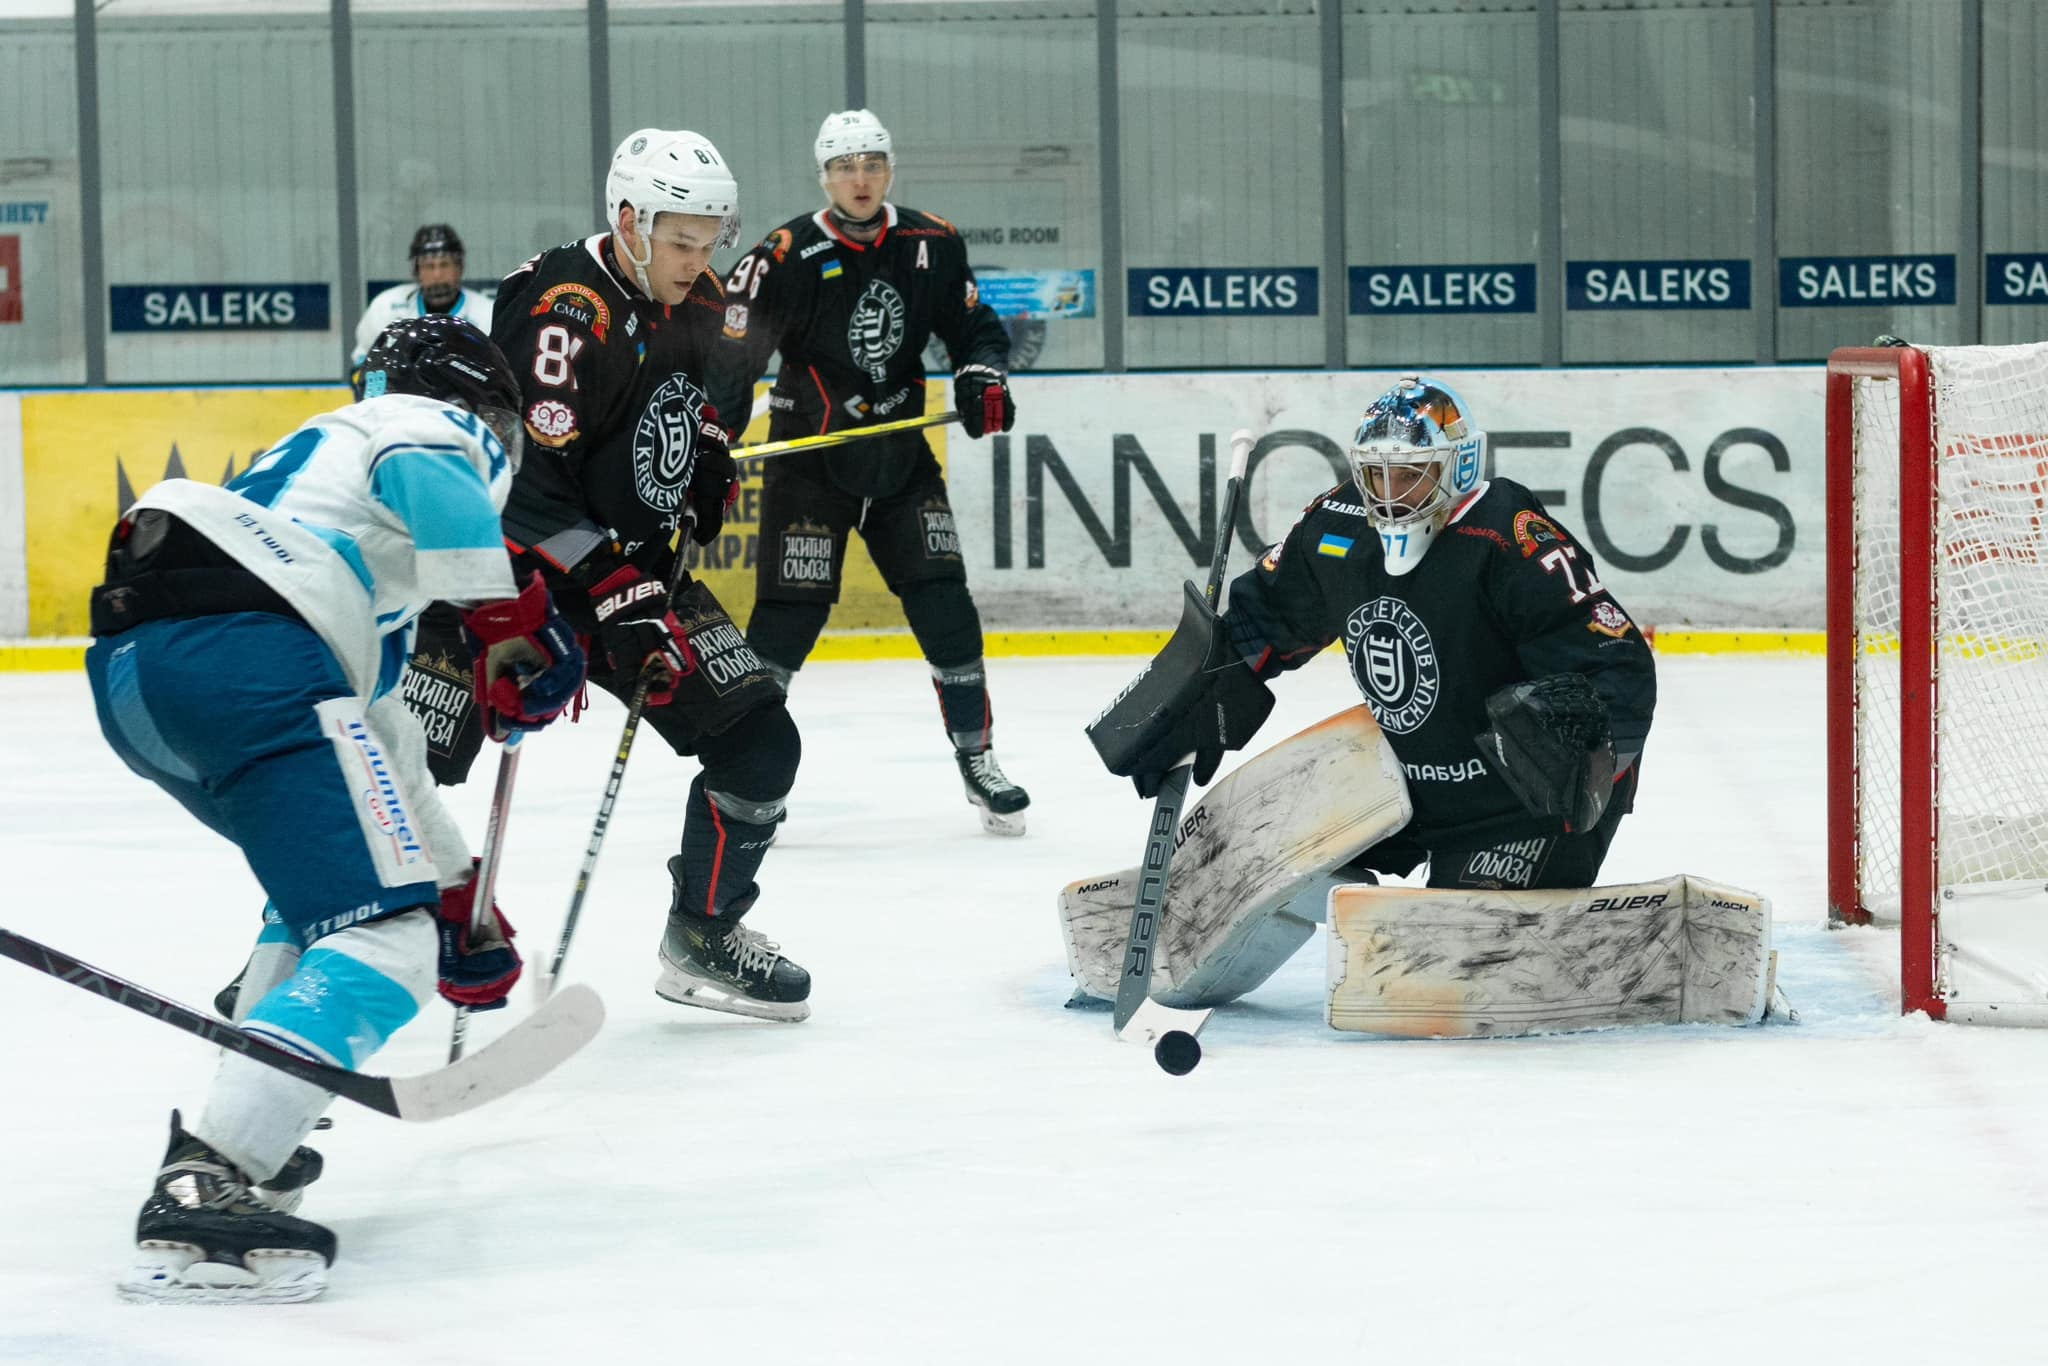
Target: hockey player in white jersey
[437, 259]
[249, 643]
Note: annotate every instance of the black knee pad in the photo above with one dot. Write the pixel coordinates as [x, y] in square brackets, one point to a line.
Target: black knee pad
[784, 633]
[942, 617]
[754, 758]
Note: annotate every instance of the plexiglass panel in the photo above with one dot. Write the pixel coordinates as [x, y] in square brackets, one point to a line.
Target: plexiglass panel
[2015, 130]
[42, 338]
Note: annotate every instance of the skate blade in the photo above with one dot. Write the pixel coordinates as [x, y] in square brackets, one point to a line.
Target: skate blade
[996, 823]
[684, 990]
[172, 1273]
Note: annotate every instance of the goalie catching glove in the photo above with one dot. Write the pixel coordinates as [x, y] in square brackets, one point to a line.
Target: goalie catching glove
[479, 966]
[1197, 697]
[528, 663]
[1551, 745]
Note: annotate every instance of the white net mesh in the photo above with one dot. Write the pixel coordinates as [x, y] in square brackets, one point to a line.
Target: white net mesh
[1991, 623]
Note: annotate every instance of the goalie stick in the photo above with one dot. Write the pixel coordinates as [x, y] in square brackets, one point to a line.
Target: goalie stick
[525, 1053]
[1156, 1023]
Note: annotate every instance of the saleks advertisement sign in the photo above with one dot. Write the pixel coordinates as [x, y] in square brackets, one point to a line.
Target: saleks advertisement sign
[86, 456]
[1699, 492]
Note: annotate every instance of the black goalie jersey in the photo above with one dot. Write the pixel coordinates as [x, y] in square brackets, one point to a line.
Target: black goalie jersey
[1504, 594]
[851, 320]
[611, 385]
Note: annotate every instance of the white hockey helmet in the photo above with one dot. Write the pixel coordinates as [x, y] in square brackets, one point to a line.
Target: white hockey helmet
[850, 131]
[658, 171]
[1415, 458]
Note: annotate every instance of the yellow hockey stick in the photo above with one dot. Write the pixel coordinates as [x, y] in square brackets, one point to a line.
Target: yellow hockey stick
[811, 443]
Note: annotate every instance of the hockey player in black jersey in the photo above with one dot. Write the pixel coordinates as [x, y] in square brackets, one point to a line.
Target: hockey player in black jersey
[1513, 688]
[850, 295]
[609, 337]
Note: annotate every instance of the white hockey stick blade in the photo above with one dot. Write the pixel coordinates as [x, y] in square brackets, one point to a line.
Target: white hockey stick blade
[1151, 1020]
[536, 1046]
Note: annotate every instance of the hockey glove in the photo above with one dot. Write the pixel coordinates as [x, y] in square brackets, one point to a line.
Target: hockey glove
[982, 396]
[479, 966]
[715, 483]
[528, 664]
[639, 631]
[1551, 745]
[1197, 697]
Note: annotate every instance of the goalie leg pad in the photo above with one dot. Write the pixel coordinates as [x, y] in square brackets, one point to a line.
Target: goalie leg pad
[1438, 963]
[1269, 829]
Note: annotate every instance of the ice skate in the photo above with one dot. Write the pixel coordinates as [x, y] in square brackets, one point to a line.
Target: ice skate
[204, 1237]
[1000, 801]
[718, 963]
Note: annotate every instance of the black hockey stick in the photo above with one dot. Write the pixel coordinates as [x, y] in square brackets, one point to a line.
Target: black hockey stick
[544, 982]
[486, 885]
[526, 1053]
[1172, 1031]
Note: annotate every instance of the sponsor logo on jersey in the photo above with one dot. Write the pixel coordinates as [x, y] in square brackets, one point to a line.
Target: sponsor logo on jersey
[723, 655]
[779, 243]
[1609, 620]
[806, 555]
[1348, 509]
[941, 537]
[632, 324]
[1533, 531]
[1395, 663]
[874, 333]
[439, 692]
[551, 422]
[1333, 544]
[1463, 772]
[831, 269]
[973, 296]
[813, 249]
[1505, 865]
[736, 321]
[579, 304]
[665, 443]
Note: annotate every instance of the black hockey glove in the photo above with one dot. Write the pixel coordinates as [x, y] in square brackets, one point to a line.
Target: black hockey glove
[1197, 697]
[715, 483]
[529, 666]
[640, 632]
[1551, 745]
[981, 395]
[479, 966]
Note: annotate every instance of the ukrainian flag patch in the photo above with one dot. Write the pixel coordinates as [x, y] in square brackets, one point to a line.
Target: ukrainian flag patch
[831, 269]
[1333, 544]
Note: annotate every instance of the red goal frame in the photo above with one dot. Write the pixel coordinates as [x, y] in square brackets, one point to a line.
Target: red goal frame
[1919, 683]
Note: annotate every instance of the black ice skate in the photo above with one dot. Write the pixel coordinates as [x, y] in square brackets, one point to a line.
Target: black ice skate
[718, 963]
[204, 1238]
[1000, 801]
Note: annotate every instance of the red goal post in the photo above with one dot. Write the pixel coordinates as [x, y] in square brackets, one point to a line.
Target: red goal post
[1937, 667]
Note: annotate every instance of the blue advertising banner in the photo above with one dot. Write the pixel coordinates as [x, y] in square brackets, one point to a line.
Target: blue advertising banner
[1598, 285]
[1847, 281]
[2016, 278]
[218, 308]
[1224, 291]
[1443, 289]
[1038, 293]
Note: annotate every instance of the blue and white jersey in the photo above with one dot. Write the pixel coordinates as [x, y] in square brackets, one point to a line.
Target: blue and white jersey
[362, 517]
[403, 301]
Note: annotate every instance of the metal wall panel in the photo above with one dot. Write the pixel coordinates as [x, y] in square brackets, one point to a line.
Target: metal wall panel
[39, 177]
[218, 167]
[995, 122]
[1659, 165]
[1222, 167]
[1440, 158]
[1867, 142]
[2016, 154]
[482, 122]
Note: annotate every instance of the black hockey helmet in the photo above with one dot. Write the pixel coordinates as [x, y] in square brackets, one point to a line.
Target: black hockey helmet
[439, 356]
[435, 239]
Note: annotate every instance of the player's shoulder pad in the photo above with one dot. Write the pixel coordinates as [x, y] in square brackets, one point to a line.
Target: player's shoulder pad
[394, 424]
[1510, 517]
[784, 242]
[1339, 501]
[918, 223]
[708, 292]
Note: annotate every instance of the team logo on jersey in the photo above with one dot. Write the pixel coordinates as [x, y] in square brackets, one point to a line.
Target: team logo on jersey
[665, 443]
[875, 332]
[1270, 561]
[778, 244]
[1533, 531]
[1395, 663]
[1609, 620]
[551, 422]
[736, 321]
[578, 303]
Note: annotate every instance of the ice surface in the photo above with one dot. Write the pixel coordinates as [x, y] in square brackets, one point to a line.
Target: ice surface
[943, 1165]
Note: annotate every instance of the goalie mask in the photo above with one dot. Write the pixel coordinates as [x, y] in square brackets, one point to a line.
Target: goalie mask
[1415, 458]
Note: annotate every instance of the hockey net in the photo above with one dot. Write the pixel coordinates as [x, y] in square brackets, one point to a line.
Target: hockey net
[1938, 667]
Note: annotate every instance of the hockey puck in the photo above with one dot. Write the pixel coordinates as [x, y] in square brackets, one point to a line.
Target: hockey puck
[1177, 1052]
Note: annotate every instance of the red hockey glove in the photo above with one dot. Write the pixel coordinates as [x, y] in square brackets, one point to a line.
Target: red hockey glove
[640, 632]
[981, 394]
[528, 664]
[479, 966]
